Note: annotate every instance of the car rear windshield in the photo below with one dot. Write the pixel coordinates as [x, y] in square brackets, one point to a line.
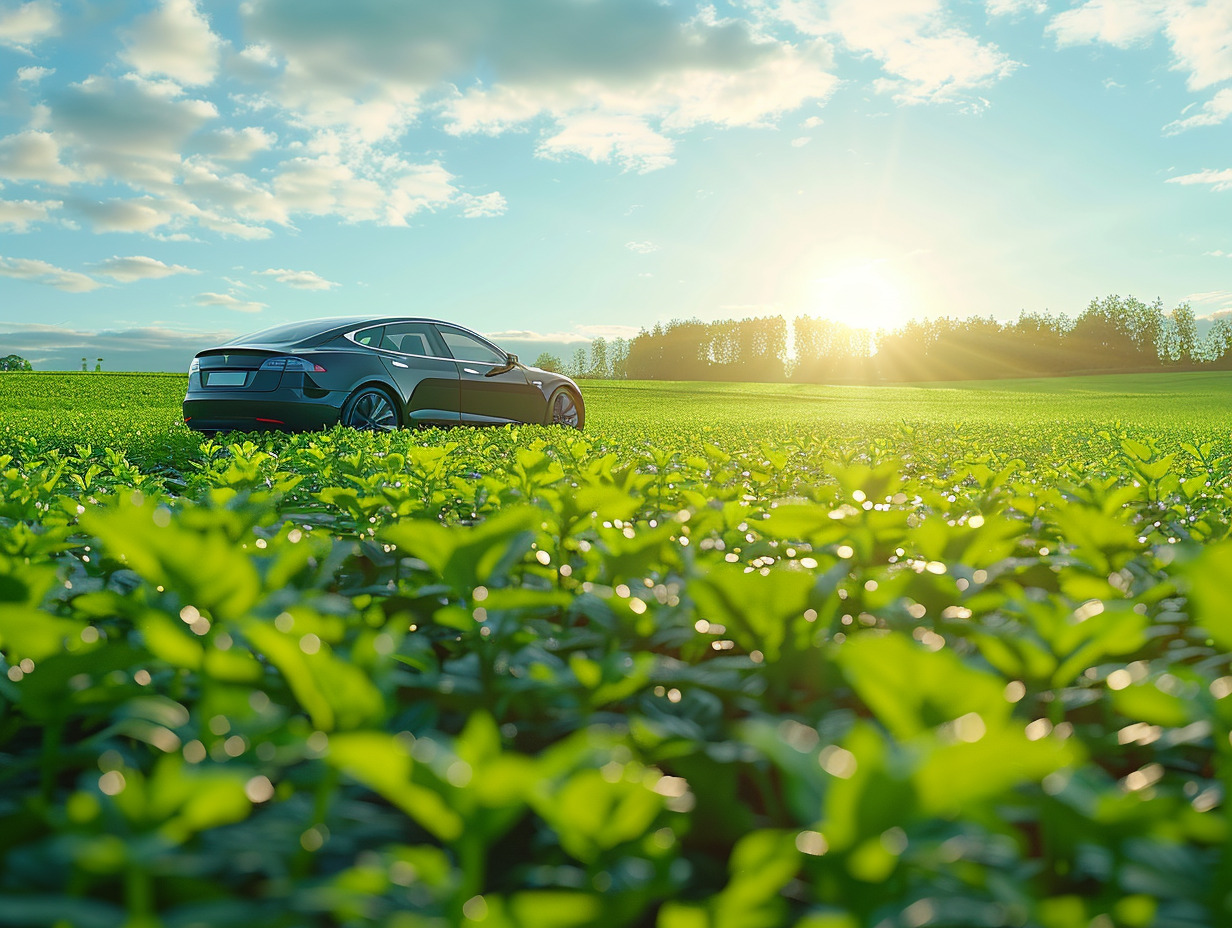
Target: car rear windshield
[283, 334]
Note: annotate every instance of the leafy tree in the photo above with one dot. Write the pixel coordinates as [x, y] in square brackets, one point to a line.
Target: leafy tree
[1178, 339]
[577, 366]
[1218, 341]
[549, 362]
[618, 353]
[14, 362]
[598, 358]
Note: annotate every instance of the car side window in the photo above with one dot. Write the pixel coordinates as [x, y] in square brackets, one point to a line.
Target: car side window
[466, 347]
[370, 338]
[411, 338]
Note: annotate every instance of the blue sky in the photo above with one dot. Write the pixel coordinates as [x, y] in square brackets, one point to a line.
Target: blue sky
[545, 171]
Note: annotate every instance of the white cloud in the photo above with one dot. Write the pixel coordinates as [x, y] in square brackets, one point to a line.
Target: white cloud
[1199, 33]
[608, 331]
[1014, 7]
[812, 122]
[606, 80]
[28, 23]
[800, 142]
[33, 74]
[18, 214]
[480, 206]
[925, 54]
[131, 128]
[35, 156]
[43, 273]
[148, 348]
[1219, 303]
[174, 41]
[525, 335]
[1115, 22]
[1201, 37]
[1217, 180]
[300, 280]
[1213, 112]
[227, 301]
[236, 144]
[139, 267]
[611, 75]
[628, 140]
[136, 215]
[642, 248]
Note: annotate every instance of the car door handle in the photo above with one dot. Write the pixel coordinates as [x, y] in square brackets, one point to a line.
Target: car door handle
[400, 364]
[470, 370]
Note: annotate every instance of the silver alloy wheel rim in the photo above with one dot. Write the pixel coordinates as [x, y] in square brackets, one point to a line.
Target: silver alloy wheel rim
[373, 412]
[564, 410]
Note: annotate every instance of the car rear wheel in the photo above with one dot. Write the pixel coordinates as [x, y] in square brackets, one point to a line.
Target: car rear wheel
[564, 409]
[370, 409]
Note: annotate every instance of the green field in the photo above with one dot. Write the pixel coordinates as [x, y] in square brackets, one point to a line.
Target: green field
[140, 413]
[738, 655]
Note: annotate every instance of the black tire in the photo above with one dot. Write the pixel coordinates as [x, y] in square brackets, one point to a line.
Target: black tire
[565, 408]
[371, 409]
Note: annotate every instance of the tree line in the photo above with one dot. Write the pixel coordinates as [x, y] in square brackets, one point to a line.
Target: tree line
[1112, 335]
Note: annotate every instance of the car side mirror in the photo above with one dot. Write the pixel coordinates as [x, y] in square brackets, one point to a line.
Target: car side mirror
[511, 361]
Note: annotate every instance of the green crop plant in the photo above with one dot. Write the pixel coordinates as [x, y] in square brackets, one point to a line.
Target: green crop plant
[805, 656]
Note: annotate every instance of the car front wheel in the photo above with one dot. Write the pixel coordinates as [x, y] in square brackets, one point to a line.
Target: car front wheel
[564, 409]
[370, 409]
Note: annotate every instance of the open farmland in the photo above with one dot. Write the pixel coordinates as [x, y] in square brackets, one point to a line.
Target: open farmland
[829, 657]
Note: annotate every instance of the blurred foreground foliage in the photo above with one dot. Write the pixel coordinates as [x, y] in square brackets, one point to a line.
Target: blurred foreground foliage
[526, 677]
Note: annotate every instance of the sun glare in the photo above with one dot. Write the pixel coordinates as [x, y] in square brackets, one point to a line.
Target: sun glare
[860, 295]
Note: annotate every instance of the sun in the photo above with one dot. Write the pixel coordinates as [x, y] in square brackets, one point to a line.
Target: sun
[861, 295]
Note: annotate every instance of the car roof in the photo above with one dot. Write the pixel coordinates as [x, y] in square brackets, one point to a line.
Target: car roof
[319, 330]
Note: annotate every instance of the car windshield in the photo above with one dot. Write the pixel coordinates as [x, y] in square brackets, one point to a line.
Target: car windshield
[283, 334]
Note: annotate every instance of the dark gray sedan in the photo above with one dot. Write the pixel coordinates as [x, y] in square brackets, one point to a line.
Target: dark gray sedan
[371, 373]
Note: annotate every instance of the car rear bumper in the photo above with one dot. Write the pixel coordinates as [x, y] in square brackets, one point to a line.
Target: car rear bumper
[258, 413]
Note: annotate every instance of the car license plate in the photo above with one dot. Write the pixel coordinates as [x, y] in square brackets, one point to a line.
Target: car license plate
[226, 378]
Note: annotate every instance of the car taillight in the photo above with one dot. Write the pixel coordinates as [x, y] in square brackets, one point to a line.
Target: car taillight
[194, 366]
[292, 364]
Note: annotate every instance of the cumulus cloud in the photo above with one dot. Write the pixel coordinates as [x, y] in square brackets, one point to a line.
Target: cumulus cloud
[1015, 7]
[1197, 32]
[926, 55]
[482, 205]
[174, 41]
[611, 81]
[1201, 38]
[1116, 22]
[33, 74]
[236, 144]
[611, 75]
[139, 267]
[128, 128]
[27, 24]
[227, 301]
[41, 272]
[300, 280]
[33, 156]
[18, 214]
[141, 214]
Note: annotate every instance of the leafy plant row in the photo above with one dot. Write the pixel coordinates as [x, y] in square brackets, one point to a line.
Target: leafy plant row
[525, 677]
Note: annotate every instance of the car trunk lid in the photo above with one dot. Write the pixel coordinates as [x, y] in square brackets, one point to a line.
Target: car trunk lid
[238, 368]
